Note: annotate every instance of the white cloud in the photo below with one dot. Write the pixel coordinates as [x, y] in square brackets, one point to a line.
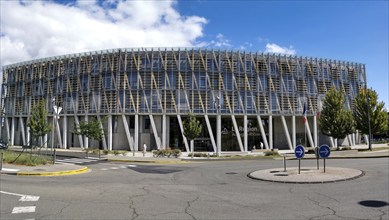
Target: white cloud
[43, 28]
[274, 48]
[221, 41]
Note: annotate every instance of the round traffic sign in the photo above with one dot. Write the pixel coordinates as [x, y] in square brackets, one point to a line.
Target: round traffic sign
[299, 151]
[324, 151]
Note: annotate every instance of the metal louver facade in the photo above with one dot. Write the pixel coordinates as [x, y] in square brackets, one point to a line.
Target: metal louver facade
[143, 95]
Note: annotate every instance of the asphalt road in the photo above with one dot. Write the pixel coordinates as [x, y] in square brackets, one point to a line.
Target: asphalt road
[206, 190]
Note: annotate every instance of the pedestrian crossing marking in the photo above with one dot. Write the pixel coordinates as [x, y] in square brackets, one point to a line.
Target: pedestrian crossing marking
[23, 209]
[28, 198]
[116, 168]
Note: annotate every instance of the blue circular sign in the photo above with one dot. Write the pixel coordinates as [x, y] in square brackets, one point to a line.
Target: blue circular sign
[299, 151]
[324, 151]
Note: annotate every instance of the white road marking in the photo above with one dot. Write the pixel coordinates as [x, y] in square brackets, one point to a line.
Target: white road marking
[29, 198]
[24, 209]
[9, 169]
[116, 168]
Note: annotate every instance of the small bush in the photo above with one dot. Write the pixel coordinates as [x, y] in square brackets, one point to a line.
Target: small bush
[116, 152]
[270, 153]
[346, 148]
[198, 155]
[105, 152]
[167, 153]
[124, 153]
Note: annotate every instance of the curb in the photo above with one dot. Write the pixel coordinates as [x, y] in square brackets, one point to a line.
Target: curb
[149, 161]
[306, 182]
[54, 173]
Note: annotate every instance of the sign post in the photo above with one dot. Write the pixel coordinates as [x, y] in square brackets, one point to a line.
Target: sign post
[299, 152]
[324, 152]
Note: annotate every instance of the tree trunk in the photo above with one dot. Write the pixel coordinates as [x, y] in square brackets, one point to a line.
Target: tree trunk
[192, 147]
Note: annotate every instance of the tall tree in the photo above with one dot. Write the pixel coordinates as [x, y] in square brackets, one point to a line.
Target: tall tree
[90, 129]
[335, 120]
[368, 108]
[192, 129]
[39, 126]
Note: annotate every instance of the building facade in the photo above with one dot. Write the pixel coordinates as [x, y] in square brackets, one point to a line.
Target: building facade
[141, 96]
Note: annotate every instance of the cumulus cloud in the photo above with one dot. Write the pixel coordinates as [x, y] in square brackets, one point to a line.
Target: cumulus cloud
[38, 29]
[274, 48]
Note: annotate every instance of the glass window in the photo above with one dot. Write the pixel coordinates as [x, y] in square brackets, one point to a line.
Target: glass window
[202, 82]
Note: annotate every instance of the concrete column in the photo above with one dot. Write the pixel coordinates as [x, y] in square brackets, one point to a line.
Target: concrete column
[45, 141]
[315, 130]
[245, 136]
[29, 136]
[22, 129]
[136, 133]
[7, 129]
[109, 132]
[219, 133]
[12, 137]
[164, 134]
[86, 139]
[294, 131]
[65, 132]
[286, 132]
[271, 132]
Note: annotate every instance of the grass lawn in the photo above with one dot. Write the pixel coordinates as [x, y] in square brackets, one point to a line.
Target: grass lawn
[25, 158]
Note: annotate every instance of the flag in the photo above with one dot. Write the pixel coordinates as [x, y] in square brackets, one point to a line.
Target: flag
[304, 113]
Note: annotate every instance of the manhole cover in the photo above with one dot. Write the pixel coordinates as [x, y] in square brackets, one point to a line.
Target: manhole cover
[274, 171]
[373, 203]
[281, 174]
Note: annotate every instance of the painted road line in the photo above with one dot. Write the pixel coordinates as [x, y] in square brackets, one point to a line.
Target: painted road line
[23, 209]
[29, 198]
[9, 170]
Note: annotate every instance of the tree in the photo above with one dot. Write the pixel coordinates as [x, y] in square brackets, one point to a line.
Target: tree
[39, 126]
[335, 121]
[90, 129]
[192, 129]
[366, 105]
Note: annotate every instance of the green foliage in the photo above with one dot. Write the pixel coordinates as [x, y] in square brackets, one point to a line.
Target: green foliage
[192, 127]
[167, 153]
[90, 129]
[335, 120]
[366, 104]
[25, 158]
[39, 126]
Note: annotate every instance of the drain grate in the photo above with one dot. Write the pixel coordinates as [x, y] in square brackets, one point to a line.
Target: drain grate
[231, 173]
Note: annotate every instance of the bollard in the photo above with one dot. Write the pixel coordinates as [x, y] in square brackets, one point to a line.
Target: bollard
[1, 160]
[133, 153]
[284, 163]
[54, 156]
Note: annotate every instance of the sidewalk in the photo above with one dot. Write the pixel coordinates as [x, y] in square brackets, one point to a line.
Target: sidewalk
[69, 169]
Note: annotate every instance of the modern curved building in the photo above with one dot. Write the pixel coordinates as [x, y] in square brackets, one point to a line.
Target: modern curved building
[143, 95]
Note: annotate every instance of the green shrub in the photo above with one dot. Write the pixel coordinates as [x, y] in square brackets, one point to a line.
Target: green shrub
[116, 152]
[105, 152]
[167, 153]
[198, 155]
[346, 148]
[270, 153]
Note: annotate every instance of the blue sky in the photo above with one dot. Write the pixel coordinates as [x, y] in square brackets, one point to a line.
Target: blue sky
[355, 31]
